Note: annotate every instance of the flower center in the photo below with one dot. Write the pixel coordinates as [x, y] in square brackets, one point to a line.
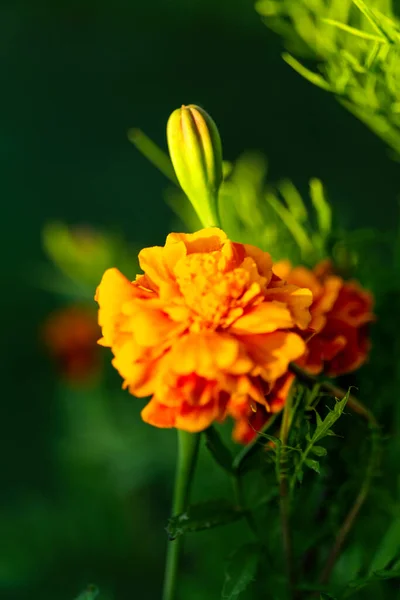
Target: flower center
[213, 294]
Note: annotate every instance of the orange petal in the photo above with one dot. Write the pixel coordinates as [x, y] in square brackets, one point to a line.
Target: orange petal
[298, 300]
[158, 262]
[204, 353]
[282, 268]
[159, 415]
[114, 290]
[264, 318]
[262, 259]
[135, 368]
[151, 327]
[272, 352]
[197, 418]
[209, 239]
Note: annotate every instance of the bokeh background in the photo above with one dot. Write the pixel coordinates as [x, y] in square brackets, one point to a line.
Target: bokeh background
[85, 484]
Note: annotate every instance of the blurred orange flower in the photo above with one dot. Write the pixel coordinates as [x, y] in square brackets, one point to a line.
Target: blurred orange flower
[341, 313]
[70, 335]
[248, 422]
[337, 339]
[207, 330]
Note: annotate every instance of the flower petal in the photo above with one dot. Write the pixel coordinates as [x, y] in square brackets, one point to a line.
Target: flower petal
[264, 318]
[114, 290]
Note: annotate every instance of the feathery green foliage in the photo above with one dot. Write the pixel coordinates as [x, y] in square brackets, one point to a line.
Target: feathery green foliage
[348, 47]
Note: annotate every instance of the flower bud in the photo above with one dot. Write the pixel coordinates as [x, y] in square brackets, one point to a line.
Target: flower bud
[196, 153]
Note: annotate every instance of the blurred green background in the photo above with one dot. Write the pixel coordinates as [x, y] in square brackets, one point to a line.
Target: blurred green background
[86, 485]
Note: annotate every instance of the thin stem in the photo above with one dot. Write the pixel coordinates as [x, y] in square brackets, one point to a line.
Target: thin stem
[188, 445]
[284, 502]
[354, 510]
[359, 408]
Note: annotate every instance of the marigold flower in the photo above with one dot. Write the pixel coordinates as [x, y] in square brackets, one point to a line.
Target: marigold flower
[207, 329]
[337, 338]
[70, 335]
[341, 313]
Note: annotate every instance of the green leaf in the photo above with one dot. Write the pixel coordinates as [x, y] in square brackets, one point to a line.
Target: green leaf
[372, 18]
[240, 571]
[153, 153]
[354, 31]
[297, 231]
[293, 200]
[319, 451]
[314, 78]
[324, 426]
[90, 593]
[388, 549]
[218, 449]
[271, 438]
[322, 207]
[204, 515]
[312, 464]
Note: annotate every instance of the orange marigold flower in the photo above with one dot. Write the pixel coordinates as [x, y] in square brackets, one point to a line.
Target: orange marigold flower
[341, 313]
[70, 335]
[207, 329]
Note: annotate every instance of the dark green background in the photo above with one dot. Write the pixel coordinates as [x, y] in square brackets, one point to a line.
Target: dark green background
[75, 76]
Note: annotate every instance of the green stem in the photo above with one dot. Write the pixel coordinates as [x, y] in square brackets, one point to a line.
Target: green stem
[188, 445]
[351, 516]
[284, 496]
[359, 408]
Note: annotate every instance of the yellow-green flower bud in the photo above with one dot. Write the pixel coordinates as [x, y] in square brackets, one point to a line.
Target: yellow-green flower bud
[196, 153]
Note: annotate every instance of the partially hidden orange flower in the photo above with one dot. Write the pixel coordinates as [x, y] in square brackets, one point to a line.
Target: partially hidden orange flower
[341, 313]
[337, 339]
[70, 335]
[206, 331]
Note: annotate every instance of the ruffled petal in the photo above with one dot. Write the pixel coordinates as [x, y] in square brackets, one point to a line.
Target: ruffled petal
[264, 318]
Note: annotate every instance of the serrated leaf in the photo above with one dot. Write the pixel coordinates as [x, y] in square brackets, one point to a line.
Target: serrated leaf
[324, 426]
[332, 433]
[204, 515]
[312, 464]
[240, 571]
[388, 549]
[218, 449]
[319, 451]
[90, 593]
